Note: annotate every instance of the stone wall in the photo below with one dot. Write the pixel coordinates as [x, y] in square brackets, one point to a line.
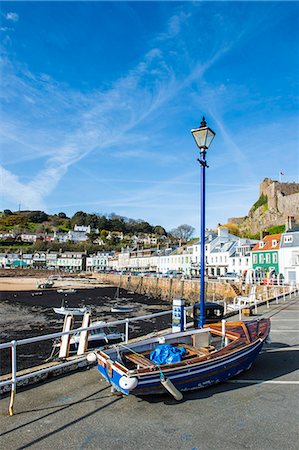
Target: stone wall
[168, 289]
[274, 189]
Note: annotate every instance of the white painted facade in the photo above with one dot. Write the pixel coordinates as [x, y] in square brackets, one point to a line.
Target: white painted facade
[289, 256]
[97, 262]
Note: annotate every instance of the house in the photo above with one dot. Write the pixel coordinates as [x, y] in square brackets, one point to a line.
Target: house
[218, 251]
[82, 228]
[289, 256]
[240, 261]
[72, 261]
[98, 262]
[28, 237]
[265, 255]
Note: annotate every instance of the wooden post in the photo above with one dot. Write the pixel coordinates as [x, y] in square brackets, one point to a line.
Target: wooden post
[182, 288]
[65, 339]
[170, 289]
[157, 287]
[83, 340]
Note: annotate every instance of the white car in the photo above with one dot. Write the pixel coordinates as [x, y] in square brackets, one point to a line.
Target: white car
[230, 276]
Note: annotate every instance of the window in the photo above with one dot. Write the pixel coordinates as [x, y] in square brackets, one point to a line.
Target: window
[233, 261]
[275, 258]
[261, 244]
[255, 259]
[261, 259]
[274, 243]
[287, 239]
[268, 258]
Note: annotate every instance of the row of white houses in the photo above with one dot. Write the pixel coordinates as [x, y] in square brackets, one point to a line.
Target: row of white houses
[224, 253]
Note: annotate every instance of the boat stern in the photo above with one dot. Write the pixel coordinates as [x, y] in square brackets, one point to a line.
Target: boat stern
[116, 374]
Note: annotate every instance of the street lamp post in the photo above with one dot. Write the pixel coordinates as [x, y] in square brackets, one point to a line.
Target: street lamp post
[203, 137]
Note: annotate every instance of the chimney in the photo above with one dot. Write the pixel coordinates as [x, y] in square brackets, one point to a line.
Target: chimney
[263, 234]
[290, 223]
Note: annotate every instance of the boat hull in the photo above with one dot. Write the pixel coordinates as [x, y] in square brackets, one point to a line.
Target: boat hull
[185, 377]
[76, 312]
[201, 377]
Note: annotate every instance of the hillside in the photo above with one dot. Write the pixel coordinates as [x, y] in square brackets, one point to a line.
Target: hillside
[277, 205]
[41, 222]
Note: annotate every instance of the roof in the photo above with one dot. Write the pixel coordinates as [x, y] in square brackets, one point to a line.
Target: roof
[268, 240]
[290, 239]
[224, 247]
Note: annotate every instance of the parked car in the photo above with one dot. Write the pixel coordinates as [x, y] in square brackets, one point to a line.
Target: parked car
[230, 276]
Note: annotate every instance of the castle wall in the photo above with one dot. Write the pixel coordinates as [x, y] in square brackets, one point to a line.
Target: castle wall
[288, 205]
[275, 190]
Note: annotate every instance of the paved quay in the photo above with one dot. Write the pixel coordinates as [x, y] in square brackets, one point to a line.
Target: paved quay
[257, 410]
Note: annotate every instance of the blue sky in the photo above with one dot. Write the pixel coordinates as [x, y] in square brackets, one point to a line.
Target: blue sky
[98, 100]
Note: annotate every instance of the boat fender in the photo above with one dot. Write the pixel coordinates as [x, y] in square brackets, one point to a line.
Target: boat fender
[91, 357]
[169, 386]
[128, 383]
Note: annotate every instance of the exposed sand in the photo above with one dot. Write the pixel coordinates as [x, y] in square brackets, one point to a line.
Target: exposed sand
[30, 283]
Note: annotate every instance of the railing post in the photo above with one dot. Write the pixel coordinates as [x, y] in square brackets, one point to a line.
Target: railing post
[240, 313]
[13, 376]
[223, 331]
[127, 331]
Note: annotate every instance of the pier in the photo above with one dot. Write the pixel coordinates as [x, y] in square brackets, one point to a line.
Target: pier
[258, 409]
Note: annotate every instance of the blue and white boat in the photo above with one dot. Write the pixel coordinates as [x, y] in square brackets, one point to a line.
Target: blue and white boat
[210, 357]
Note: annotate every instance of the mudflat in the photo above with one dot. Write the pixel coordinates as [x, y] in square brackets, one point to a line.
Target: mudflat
[26, 311]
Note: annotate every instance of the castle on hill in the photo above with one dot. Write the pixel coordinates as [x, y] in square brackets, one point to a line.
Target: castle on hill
[278, 205]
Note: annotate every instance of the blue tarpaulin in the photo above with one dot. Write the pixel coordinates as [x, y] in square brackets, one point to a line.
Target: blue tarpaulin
[167, 354]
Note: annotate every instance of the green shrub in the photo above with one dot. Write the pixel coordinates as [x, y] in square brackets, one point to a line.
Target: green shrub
[263, 200]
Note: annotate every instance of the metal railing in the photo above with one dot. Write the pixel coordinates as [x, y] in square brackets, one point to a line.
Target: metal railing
[13, 378]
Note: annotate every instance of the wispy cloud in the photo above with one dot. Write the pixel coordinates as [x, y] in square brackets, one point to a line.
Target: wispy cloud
[88, 121]
[49, 127]
[14, 17]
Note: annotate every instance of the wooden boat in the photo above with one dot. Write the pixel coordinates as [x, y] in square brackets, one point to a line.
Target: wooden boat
[45, 285]
[66, 291]
[122, 309]
[210, 358]
[63, 310]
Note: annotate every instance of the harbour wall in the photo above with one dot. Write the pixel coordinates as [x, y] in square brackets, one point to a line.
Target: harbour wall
[169, 288]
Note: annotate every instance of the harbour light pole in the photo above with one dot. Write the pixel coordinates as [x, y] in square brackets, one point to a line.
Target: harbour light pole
[203, 137]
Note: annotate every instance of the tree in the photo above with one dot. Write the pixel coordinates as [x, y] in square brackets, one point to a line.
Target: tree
[183, 232]
[62, 215]
[159, 230]
[37, 216]
[78, 218]
[103, 235]
[7, 212]
[92, 237]
[232, 228]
